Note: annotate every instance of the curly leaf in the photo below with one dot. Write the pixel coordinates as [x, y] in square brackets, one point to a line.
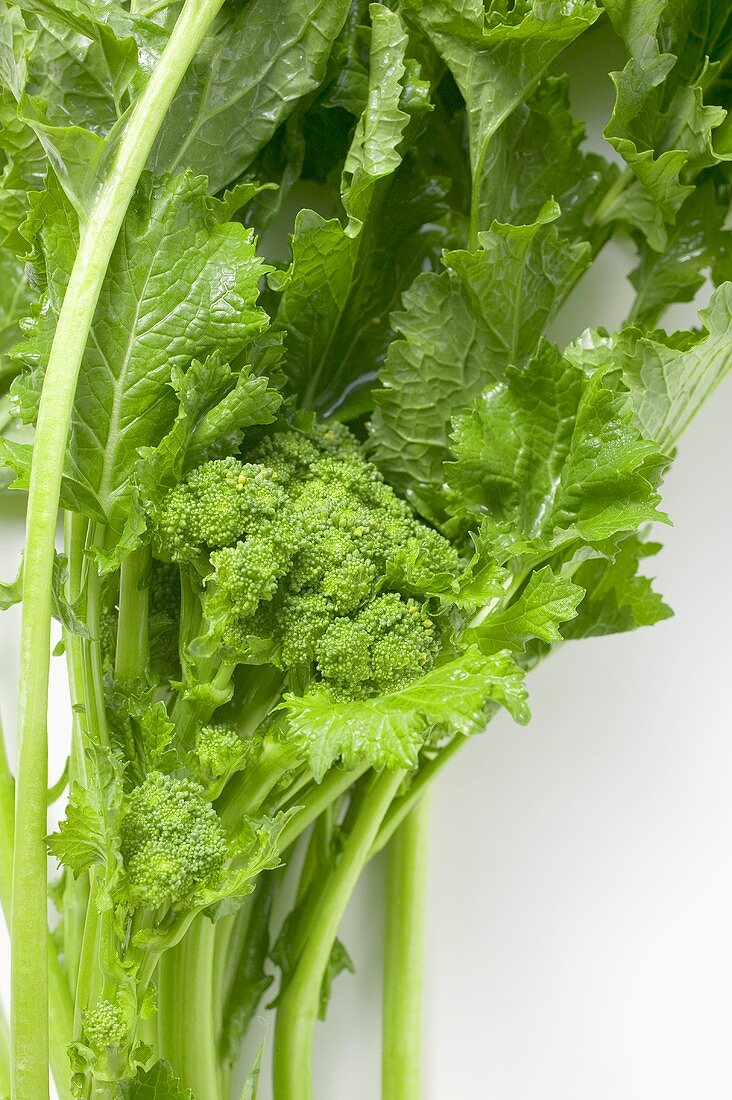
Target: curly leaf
[389, 730]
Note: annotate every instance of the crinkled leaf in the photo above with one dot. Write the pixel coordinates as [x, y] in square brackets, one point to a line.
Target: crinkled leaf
[694, 246]
[250, 72]
[550, 456]
[342, 282]
[156, 1083]
[496, 58]
[458, 333]
[547, 601]
[618, 598]
[180, 285]
[389, 730]
[661, 124]
[539, 155]
[668, 378]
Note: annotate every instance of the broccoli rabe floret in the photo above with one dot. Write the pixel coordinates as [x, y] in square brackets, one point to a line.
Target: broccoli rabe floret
[173, 843]
[219, 749]
[299, 540]
[104, 1025]
[388, 644]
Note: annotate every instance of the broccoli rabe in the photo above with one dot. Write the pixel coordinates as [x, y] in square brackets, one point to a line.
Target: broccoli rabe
[104, 1025]
[294, 543]
[173, 843]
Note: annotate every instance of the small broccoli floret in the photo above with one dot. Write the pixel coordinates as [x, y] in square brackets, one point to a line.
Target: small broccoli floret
[216, 504]
[343, 654]
[302, 621]
[388, 644]
[173, 843]
[104, 1025]
[219, 749]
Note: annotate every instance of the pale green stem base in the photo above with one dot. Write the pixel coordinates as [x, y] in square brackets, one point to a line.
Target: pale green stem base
[401, 1076]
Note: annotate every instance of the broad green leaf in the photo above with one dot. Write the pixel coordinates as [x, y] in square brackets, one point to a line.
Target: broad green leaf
[249, 74]
[497, 58]
[618, 598]
[68, 75]
[668, 378]
[550, 456]
[538, 155]
[459, 331]
[342, 282]
[547, 601]
[180, 285]
[389, 730]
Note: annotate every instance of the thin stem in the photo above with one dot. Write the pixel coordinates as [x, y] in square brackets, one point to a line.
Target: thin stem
[4, 1055]
[76, 890]
[29, 979]
[312, 804]
[299, 1006]
[132, 625]
[401, 1076]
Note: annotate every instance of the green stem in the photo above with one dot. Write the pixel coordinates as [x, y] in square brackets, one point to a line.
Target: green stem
[29, 979]
[76, 890]
[132, 625]
[298, 1009]
[4, 1055]
[315, 801]
[186, 1012]
[401, 1077]
[59, 995]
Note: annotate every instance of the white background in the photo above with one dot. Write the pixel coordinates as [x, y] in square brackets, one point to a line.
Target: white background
[580, 898]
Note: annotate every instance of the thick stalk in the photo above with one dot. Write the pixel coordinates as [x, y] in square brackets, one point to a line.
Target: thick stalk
[186, 1021]
[401, 1077]
[298, 1009]
[59, 995]
[29, 980]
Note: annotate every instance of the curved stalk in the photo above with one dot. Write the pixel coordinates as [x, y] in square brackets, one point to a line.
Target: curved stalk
[298, 1009]
[29, 1024]
[401, 1077]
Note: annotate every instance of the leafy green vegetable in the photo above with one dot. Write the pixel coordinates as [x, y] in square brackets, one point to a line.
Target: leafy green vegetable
[322, 513]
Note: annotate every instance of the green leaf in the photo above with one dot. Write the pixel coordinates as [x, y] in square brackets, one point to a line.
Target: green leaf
[618, 598]
[539, 155]
[16, 295]
[343, 281]
[245, 80]
[180, 285]
[497, 59]
[338, 962]
[545, 603]
[156, 1083]
[63, 611]
[459, 332]
[668, 378]
[695, 244]
[550, 456]
[389, 730]
[661, 125]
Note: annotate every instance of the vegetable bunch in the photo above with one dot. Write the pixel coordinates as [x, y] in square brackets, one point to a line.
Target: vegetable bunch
[325, 504]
